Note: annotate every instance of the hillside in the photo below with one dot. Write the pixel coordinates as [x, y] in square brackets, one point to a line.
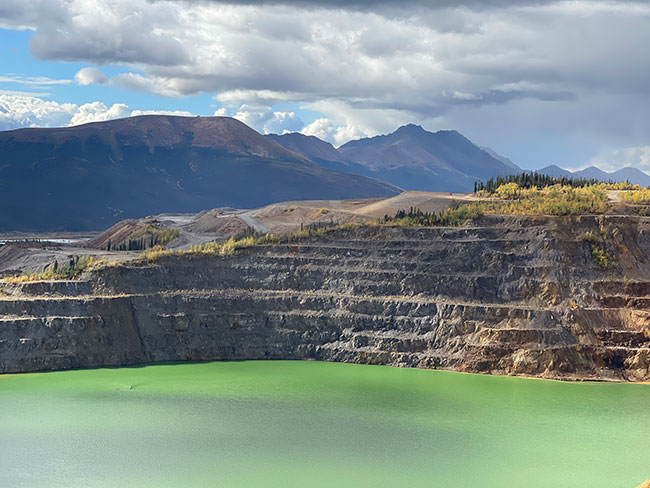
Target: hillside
[416, 159]
[503, 159]
[91, 176]
[309, 146]
[320, 152]
[411, 158]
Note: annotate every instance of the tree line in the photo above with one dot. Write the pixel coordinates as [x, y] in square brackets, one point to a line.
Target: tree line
[529, 180]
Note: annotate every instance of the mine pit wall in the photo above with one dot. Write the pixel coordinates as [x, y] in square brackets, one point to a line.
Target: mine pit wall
[504, 296]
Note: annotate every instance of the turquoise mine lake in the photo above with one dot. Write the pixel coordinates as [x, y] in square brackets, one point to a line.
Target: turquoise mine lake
[284, 423]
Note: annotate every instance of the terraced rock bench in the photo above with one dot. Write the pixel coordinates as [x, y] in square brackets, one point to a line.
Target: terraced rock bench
[511, 296]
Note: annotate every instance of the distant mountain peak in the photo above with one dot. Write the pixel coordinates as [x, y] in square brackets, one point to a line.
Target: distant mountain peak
[410, 129]
[411, 157]
[310, 147]
[508, 162]
[629, 173]
[550, 167]
[416, 159]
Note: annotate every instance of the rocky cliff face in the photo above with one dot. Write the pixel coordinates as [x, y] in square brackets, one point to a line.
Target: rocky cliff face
[519, 296]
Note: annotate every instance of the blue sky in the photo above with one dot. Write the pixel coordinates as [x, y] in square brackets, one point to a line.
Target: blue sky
[17, 61]
[542, 82]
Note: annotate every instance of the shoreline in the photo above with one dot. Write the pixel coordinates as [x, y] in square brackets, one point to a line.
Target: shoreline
[181, 363]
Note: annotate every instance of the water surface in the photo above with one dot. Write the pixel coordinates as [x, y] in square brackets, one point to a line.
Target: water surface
[283, 423]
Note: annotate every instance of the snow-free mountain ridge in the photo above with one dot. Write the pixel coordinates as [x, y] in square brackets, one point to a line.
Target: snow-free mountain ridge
[633, 175]
[411, 157]
[90, 176]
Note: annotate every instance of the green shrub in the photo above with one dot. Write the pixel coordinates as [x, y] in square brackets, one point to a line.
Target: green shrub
[449, 218]
[598, 254]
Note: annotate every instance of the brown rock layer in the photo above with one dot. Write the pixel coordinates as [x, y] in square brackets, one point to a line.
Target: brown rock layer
[518, 296]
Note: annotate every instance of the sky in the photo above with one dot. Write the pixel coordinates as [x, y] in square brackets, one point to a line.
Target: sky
[540, 82]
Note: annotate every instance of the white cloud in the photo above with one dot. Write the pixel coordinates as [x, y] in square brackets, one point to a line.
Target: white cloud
[139, 83]
[265, 120]
[326, 130]
[322, 128]
[346, 121]
[32, 81]
[256, 97]
[613, 159]
[26, 111]
[89, 75]
[97, 111]
[536, 80]
[179, 113]
[22, 110]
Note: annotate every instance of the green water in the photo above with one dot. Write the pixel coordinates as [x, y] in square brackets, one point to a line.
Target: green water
[317, 424]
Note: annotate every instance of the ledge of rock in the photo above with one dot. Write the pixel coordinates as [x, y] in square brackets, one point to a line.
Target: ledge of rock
[517, 296]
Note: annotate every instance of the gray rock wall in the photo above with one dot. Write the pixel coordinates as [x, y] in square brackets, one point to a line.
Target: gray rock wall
[504, 296]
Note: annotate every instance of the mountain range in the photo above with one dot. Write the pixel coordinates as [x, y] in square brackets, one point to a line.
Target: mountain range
[416, 159]
[410, 157]
[90, 176]
[633, 175]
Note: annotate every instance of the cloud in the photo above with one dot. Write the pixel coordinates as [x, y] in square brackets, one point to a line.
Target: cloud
[256, 97]
[612, 159]
[32, 81]
[265, 120]
[102, 31]
[326, 130]
[532, 79]
[25, 111]
[179, 113]
[384, 5]
[127, 81]
[22, 110]
[88, 76]
[315, 50]
[97, 111]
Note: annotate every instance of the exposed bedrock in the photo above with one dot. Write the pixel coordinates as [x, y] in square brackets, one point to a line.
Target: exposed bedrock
[519, 296]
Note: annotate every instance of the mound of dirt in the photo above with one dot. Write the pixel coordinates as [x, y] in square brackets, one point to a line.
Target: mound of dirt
[115, 234]
[215, 221]
[288, 217]
[14, 252]
[425, 201]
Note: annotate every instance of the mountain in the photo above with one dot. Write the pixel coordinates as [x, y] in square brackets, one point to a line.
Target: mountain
[554, 171]
[503, 159]
[309, 146]
[320, 152]
[629, 173]
[416, 159]
[632, 175]
[593, 173]
[90, 176]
